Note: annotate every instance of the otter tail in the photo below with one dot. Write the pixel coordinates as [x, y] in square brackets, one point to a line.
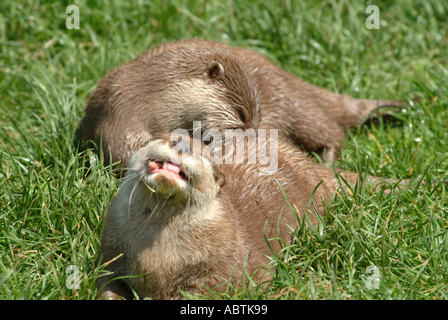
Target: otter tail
[364, 109]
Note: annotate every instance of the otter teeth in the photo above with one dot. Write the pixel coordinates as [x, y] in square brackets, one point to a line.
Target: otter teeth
[167, 166]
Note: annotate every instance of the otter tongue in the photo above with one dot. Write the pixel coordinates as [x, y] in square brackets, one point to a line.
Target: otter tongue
[157, 166]
[174, 168]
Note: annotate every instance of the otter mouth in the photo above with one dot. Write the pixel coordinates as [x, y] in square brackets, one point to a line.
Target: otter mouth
[166, 167]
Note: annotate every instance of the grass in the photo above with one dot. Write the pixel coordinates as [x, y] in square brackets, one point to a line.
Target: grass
[51, 213]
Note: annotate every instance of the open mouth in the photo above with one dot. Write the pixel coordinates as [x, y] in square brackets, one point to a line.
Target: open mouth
[166, 167]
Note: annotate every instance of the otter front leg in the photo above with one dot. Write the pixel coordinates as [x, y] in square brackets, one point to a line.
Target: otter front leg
[115, 289]
[110, 295]
[116, 266]
[328, 154]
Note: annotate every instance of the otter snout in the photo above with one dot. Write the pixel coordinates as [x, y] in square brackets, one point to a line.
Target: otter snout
[169, 165]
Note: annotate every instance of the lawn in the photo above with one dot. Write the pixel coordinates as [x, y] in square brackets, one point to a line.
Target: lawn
[52, 212]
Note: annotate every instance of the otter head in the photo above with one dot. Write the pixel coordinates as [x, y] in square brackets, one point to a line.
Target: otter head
[213, 87]
[240, 99]
[175, 170]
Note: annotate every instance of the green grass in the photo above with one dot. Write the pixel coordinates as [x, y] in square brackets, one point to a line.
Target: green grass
[51, 213]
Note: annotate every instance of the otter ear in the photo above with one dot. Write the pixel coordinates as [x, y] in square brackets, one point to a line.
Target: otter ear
[213, 71]
[220, 178]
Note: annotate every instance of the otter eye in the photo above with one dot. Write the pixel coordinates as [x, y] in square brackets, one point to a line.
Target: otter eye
[242, 116]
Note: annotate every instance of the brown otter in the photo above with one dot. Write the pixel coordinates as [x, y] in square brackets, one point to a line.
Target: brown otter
[167, 88]
[309, 116]
[180, 228]
[174, 84]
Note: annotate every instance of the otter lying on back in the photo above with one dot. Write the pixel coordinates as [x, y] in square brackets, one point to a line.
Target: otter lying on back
[186, 226]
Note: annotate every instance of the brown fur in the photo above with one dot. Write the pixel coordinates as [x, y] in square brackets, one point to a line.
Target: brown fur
[167, 88]
[174, 84]
[309, 116]
[190, 237]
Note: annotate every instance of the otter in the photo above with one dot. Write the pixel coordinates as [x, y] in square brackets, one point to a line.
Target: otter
[311, 117]
[167, 88]
[176, 83]
[196, 224]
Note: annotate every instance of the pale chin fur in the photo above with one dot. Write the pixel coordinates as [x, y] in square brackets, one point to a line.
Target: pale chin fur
[152, 181]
